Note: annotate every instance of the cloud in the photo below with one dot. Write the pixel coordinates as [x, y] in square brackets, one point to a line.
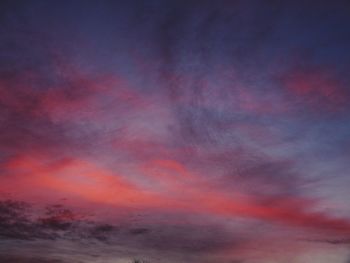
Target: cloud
[230, 113]
[185, 191]
[316, 87]
[24, 259]
[58, 222]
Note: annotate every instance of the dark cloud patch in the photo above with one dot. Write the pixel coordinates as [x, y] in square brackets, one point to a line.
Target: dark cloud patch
[12, 211]
[344, 241]
[186, 239]
[14, 220]
[139, 261]
[58, 218]
[24, 259]
[19, 221]
[60, 223]
[103, 232]
[139, 231]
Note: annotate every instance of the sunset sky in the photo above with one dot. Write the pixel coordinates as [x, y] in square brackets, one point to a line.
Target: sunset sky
[174, 131]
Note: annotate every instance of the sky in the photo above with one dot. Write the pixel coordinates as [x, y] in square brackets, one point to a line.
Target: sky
[174, 131]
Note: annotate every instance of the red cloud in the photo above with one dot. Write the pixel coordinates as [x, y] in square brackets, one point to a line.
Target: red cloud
[179, 190]
[317, 87]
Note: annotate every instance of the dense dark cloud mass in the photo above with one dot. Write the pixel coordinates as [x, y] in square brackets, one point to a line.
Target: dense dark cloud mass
[174, 131]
